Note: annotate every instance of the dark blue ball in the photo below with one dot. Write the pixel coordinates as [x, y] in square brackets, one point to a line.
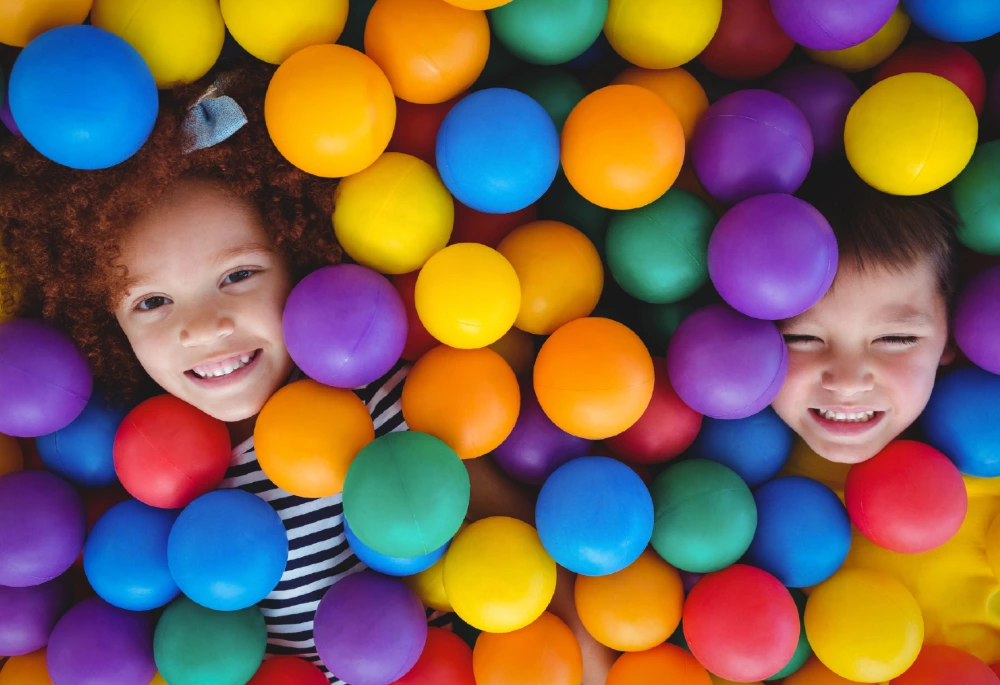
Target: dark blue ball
[83, 451]
[390, 566]
[962, 420]
[955, 21]
[756, 447]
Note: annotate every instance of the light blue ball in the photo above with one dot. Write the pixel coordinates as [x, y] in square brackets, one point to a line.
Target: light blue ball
[125, 558]
[83, 97]
[227, 550]
[497, 151]
[83, 451]
[390, 566]
[756, 447]
[956, 21]
[962, 420]
[594, 516]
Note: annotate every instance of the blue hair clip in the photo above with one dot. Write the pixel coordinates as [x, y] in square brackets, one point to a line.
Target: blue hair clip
[212, 118]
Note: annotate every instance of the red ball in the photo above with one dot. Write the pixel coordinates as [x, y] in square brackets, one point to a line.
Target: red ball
[446, 660]
[748, 43]
[665, 429]
[908, 498]
[995, 668]
[417, 128]
[741, 623]
[418, 340]
[489, 229]
[288, 670]
[946, 60]
[167, 453]
[941, 665]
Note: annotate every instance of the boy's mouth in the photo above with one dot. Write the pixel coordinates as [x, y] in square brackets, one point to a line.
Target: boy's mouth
[224, 369]
[844, 423]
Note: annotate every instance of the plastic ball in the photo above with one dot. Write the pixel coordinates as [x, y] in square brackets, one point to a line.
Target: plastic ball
[634, 609]
[661, 35]
[517, 349]
[726, 365]
[956, 22]
[832, 24]
[664, 663]
[478, 4]
[429, 586]
[8, 120]
[11, 456]
[167, 452]
[417, 127]
[391, 566]
[908, 498]
[750, 143]
[125, 557]
[803, 531]
[472, 226]
[330, 110]
[497, 150]
[755, 447]
[97, 642]
[344, 325]
[802, 650]
[28, 615]
[274, 32]
[549, 31]
[467, 295]
[557, 90]
[942, 59]
[941, 664]
[815, 673]
[741, 623]
[622, 147]
[544, 652]
[705, 516]
[959, 422]
[772, 256]
[287, 670]
[446, 660]
[975, 193]
[864, 625]
[871, 52]
[22, 22]
[977, 319]
[497, 575]
[677, 87]
[395, 628]
[748, 44]
[825, 96]
[56, 389]
[406, 494]
[658, 253]
[418, 340]
[560, 273]
[594, 378]
[83, 451]
[29, 669]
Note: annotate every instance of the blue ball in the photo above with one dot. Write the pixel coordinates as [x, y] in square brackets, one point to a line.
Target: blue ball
[227, 550]
[957, 21]
[497, 151]
[390, 566]
[756, 447]
[961, 420]
[125, 557]
[594, 516]
[83, 97]
[803, 531]
[83, 451]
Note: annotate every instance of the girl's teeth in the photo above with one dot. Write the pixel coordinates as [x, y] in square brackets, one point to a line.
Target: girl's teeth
[227, 369]
[859, 417]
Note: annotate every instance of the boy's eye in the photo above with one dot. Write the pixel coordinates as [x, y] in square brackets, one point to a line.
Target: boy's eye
[898, 339]
[238, 276]
[152, 303]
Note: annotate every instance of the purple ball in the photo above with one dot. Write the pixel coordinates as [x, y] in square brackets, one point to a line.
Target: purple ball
[370, 629]
[344, 326]
[536, 447]
[98, 643]
[46, 381]
[825, 95]
[689, 579]
[726, 365]
[8, 119]
[751, 142]
[42, 527]
[28, 615]
[977, 320]
[772, 256]
[831, 24]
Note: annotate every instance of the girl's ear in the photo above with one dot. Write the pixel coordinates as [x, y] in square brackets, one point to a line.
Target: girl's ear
[949, 353]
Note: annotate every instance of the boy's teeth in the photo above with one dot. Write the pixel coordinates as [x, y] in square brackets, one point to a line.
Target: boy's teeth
[859, 417]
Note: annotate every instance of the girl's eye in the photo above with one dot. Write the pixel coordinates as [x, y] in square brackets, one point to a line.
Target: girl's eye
[152, 303]
[898, 339]
[789, 339]
[238, 276]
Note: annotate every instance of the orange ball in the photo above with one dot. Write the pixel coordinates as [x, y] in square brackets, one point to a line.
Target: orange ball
[815, 673]
[544, 652]
[478, 4]
[21, 21]
[308, 434]
[431, 50]
[634, 609]
[677, 87]
[467, 398]
[29, 669]
[622, 147]
[517, 349]
[664, 664]
[594, 378]
[330, 110]
[11, 456]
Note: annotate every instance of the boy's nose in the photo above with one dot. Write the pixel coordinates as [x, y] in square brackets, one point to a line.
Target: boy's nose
[204, 329]
[847, 377]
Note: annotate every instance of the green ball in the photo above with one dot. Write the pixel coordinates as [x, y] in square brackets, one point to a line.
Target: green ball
[353, 35]
[499, 64]
[659, 253]
[193, 645]
[548, 31]
[976, 194]
[562, 203]
[406, 494]
[705, 516]
[556, 90]
[802, 650]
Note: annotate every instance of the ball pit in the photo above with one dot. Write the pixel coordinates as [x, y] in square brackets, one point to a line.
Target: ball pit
[666, 662]
[832, 25]
[957, 420]
[974, 194]
[957, 22]
[977, 319]
[548, 31]
[82, 452]
[545, 652]
[661, 35]
[446, 660]
[755, 447]
[273, 33]
[748, 44]
[871, 52]
[28, 615]
[942, 59]
[825, 96]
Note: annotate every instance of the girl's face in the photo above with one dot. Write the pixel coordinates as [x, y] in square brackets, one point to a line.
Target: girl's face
[206, 289]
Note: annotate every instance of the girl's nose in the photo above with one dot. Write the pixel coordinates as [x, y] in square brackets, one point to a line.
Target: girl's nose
[206, 328]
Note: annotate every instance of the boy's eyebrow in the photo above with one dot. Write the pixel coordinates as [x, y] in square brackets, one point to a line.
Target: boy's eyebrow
[903, 314]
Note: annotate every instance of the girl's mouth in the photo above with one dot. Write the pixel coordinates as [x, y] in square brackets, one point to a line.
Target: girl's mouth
[231, 371]
[846, 424]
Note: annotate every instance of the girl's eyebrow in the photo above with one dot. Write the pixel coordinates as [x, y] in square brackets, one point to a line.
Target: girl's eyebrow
[241, 250]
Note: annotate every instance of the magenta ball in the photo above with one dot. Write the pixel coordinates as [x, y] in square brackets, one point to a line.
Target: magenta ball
[98, 643]
[42, 526]
[772, 256]
[726, 365]
[977, 320]
[993, 97]
[46, 381]
[751, 142]
[825, 95]
[344, 325]
[831, 24]
[370, 629]
[28, 615]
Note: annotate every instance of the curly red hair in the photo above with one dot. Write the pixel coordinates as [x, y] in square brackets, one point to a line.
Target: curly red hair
[60, 228]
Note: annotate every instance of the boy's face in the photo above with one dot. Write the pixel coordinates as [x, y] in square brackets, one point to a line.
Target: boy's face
[204, 302]
[862, 361]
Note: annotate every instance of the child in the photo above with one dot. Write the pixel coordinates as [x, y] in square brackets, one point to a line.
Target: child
[862, 361]
[172, 270]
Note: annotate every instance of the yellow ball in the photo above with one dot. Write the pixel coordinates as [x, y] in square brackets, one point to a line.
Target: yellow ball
[993, 546]
[467, 295]
[873, 51]
[179, 39]
[428, 585]
[911, 134]
[661, 34]
[21, 21]
[864, 625]
[274, 31]
[497, 575]
[11, 456]
[394, 215]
